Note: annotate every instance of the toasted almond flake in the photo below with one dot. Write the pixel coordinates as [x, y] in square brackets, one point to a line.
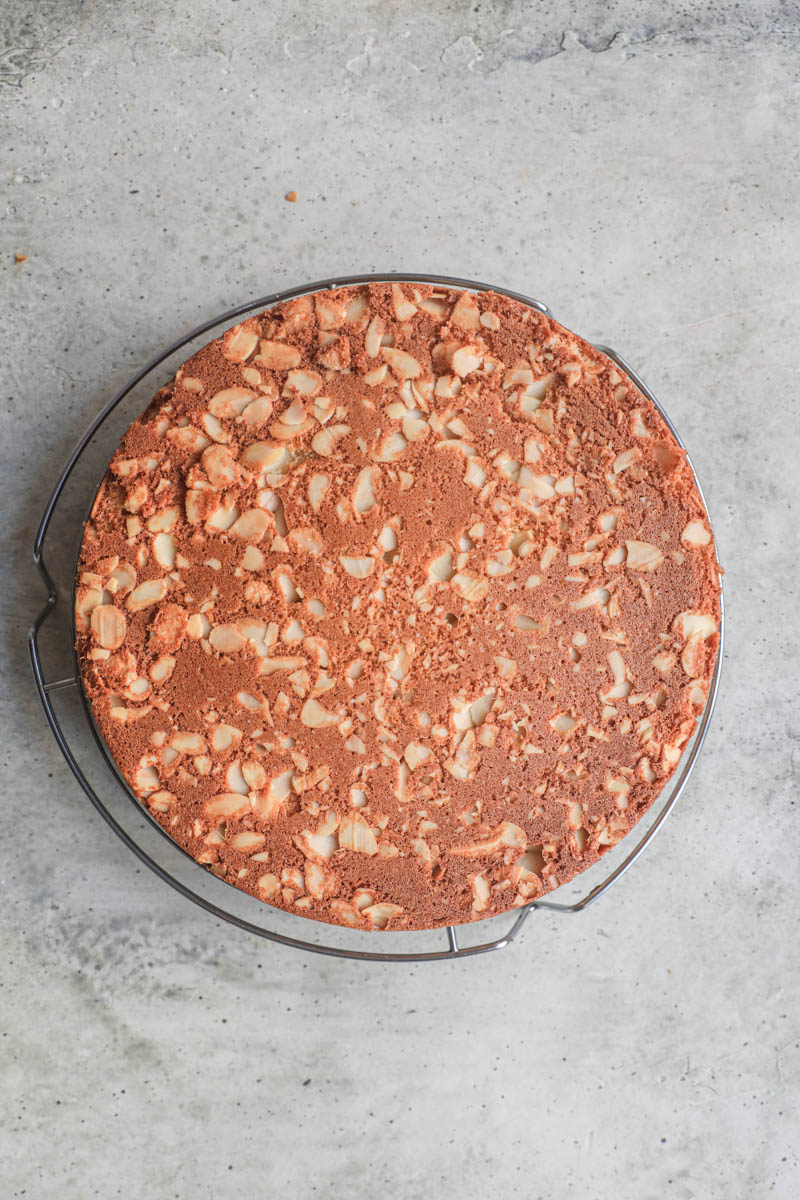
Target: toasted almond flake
[264, 456]
[355, 834]
[465, 313]
[219, 466]
[364, 496]
[324, 442]
[226, 639]
[549, 555]
[442, 569]
[317, 487]
[108, 626]
[643, 556]
[527, 624]
[404, 310]
[198, 626]
[304, 383]
[162, 668]
[251, 525]
[269, 885]
[161, 522]
[214, 428]
[230, 402]
[224, 516]
[278, 356]
[253, 559]
[391, 447]
[474, 474]
[164, 550]
[506, 667]
[315, 716]
[506, 834]
[257, 412]
[359, 568]
[696, 534]
[401, 363]
[147, 593]
[239, 343]
[692, 623]
[470, 586]
[480, 893]
[466, 360]
[187, 743]
[415, 753]
[286, 432]
[626, 459]
[415, 428]
[379, 915]
[372, 340]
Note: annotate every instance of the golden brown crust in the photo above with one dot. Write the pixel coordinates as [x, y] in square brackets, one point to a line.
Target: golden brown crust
[397, 606]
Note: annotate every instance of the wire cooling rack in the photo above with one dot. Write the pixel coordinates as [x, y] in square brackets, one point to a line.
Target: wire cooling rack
[69, 716]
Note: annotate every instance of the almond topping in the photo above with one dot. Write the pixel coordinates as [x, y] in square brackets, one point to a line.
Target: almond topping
[355, 834]
[108, 626]
[643, 556]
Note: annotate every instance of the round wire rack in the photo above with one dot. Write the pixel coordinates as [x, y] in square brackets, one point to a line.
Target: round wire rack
[57, 676]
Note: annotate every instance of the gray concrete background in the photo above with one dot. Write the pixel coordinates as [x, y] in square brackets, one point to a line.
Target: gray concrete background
[635, 167]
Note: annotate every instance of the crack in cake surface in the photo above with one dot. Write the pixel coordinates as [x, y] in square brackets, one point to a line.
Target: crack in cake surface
[398, 605]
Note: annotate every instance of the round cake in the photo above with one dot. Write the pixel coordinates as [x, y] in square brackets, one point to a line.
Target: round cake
[397, 606]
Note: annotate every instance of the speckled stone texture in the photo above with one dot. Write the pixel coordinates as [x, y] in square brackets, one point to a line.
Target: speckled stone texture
[638, 171]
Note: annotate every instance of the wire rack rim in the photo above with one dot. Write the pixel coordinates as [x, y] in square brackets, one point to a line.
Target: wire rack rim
[45, 688]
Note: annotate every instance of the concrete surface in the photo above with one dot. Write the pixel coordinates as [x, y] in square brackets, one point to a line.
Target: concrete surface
[638, 170]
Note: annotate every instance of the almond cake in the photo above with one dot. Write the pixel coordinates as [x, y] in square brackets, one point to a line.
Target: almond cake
[397, 606]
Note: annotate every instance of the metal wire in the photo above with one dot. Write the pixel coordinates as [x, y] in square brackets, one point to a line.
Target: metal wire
[46, 689]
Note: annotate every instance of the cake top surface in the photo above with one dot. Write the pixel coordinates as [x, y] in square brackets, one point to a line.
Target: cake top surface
[397, 606]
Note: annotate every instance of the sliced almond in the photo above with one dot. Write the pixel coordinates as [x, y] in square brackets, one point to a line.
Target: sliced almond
[415, 754]
[257, 412]
[372, 340]
[162, 522]
[467, 359]
[391, 447]
[278, 356]
[226, 639]
[324, 442]
[470, 586]
[355, 834]
[693, 623]
[315, 716]
[304, 383]
[403, 364]
[264, 456]
[108, 626]
[364, 496]
[147, 593]
[251, 525]
[230, 402]
[466, 314]
[695, 534]
[404, 310]
[219, 466]
[359, 568]
[379, 915]
[643, 556]
[268, 886]
[239, 343]
[247, 841]
[317, 487]
[164, 550]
